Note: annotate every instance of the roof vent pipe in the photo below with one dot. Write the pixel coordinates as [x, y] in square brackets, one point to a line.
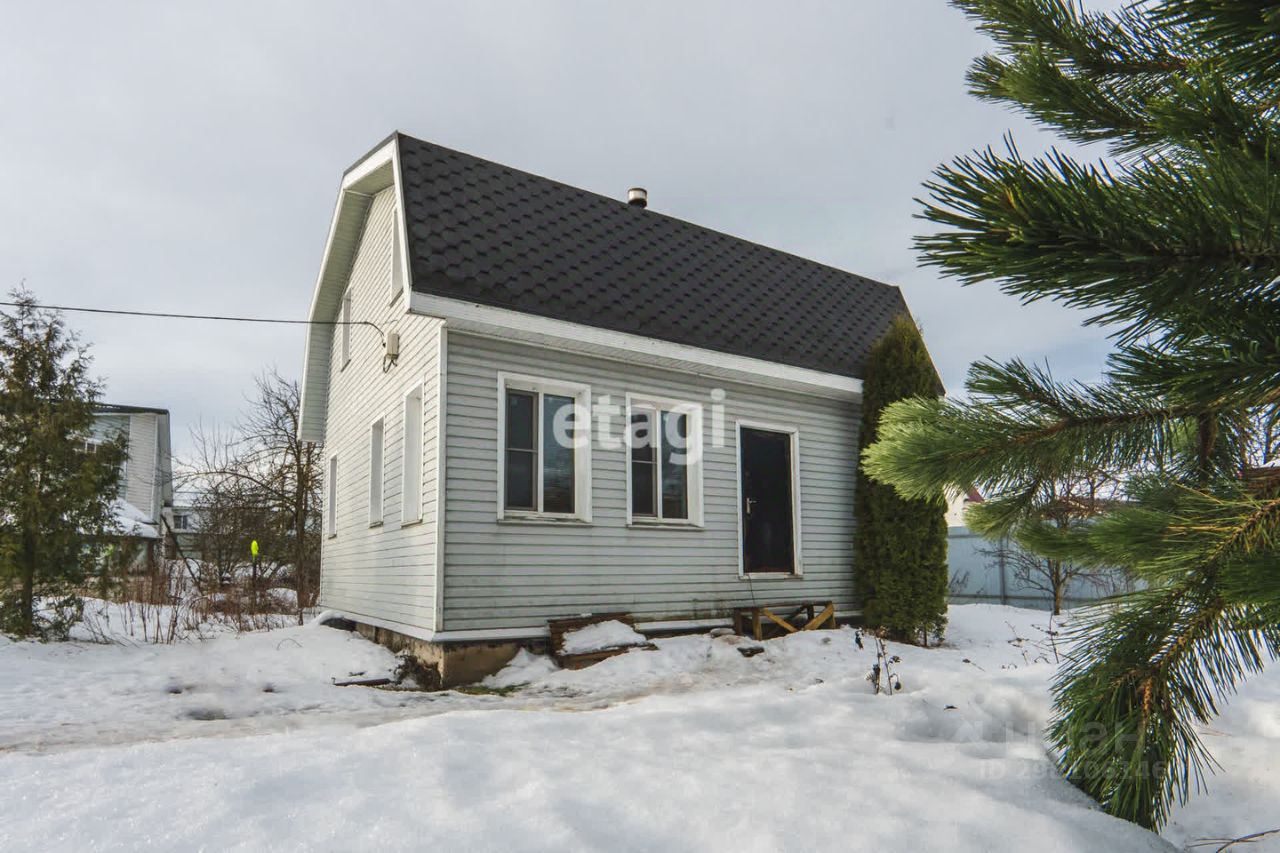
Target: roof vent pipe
[638, 197]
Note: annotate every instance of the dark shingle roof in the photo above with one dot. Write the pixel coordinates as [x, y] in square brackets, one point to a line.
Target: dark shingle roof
[486, 233]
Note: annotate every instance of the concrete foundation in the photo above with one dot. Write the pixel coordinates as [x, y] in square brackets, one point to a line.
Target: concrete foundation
[452, 664]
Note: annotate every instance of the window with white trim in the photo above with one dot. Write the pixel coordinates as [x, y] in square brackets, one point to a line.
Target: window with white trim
[545, 448]
[375, 472]
[411, 459]
[331, 497]
[346, 328]
[664, 462]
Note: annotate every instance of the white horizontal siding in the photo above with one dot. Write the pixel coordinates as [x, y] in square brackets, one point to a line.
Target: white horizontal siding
[382, 572]
[141, 471]
[510, 575]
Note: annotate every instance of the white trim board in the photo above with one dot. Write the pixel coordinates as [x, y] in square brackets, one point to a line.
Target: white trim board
[442, 388]
[506, 324]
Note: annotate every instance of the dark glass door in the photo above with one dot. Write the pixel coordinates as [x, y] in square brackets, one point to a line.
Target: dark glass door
[768, 537]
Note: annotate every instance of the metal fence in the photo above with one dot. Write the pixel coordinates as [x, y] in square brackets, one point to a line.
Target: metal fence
[980, 571]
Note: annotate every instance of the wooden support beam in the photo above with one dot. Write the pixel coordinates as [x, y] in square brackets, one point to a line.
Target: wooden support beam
[828, 614]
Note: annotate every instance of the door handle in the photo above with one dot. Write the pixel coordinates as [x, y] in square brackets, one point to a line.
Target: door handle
[751, 502]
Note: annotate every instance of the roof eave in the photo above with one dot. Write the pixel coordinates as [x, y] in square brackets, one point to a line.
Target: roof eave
[510, 324]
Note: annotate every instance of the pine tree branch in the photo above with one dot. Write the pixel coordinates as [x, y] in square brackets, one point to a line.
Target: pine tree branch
[1178, 246]
[1137, 682]
[1083, 235]
[1242, 35]
[1019, 428]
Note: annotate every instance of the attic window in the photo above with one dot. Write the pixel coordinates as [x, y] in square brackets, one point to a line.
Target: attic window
[397, 263]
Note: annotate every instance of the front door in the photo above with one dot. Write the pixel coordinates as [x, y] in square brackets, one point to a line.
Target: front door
[764, 463]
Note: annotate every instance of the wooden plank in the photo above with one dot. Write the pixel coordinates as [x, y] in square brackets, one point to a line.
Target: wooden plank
[558, 628]
[779, 621]
[760, 617]
[828, 613]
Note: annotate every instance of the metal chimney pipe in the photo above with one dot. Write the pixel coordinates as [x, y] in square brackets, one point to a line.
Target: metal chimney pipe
[638, 197]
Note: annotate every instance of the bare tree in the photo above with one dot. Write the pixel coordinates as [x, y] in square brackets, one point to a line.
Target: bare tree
[259, 481]
[1063, 506]
[1053, 577]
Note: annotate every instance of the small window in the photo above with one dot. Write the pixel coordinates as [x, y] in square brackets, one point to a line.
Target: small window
[544, 449]
[346, 328]
[665, 462]
[411, 471]
[181, 522]
[331, 497]
[397, 265]
[375, 472]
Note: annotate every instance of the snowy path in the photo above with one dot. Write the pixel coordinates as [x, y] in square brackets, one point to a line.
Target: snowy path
[691, 747]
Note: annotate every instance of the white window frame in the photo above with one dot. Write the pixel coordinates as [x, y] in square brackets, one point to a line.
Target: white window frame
[345, 319]
[540, 386]
[377, 471]
[796, 550]
[695, 449]
[331, 496]
[411, 455]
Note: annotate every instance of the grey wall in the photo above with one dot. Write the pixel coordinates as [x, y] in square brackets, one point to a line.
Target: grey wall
[518, 575]
[380, 570]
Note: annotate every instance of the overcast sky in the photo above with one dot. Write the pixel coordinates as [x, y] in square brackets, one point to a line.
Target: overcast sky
[175, 157]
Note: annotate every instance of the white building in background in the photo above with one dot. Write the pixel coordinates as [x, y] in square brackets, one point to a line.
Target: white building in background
[186, 523]
[144, 509]
[957, 503]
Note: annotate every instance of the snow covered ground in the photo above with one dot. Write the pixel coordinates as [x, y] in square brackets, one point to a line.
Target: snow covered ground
[242, 742]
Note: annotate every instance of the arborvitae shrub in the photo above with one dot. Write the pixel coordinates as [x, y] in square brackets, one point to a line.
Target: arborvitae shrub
[901, 545]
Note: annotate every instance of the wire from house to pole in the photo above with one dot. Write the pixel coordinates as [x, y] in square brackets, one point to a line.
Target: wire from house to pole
[225, 318]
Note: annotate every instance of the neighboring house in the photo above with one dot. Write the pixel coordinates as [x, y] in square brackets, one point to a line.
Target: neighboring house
[957, 503]
[186, 524]
[145, 505]
[582, 406]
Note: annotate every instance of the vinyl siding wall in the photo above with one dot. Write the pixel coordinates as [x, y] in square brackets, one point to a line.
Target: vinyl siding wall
[386, 573]
[518, 575]
[142, 473]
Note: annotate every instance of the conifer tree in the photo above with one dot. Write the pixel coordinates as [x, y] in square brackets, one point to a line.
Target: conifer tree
[901, 543]
[56, 488]
[1172, 240]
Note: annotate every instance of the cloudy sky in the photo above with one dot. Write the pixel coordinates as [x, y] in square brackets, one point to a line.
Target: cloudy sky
[185, 157]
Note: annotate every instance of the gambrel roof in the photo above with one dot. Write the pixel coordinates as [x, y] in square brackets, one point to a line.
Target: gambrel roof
[494, 250]
[494, 235]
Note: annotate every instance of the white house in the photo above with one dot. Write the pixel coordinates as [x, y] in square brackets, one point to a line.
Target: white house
[144, 509]
[538, 402]
[186, 523]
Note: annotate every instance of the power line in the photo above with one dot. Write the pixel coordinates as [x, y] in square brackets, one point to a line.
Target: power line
[371, 325]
